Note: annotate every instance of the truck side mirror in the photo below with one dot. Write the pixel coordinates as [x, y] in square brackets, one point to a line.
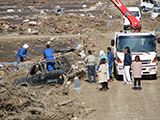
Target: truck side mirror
[112, 42]
[158, 39]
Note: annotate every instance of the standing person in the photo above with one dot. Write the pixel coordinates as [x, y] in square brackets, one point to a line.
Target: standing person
[22, 53]
[110, 62]
[90, 60]
[103, 74]
[127, 64]
[48, 54]
[137, 69]
[102, 55]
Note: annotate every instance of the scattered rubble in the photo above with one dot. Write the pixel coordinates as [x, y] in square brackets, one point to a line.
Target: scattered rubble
[29, 97]
[31, 92]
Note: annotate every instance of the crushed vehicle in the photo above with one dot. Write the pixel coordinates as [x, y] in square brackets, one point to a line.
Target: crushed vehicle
[155, 12]
[146, 5]
[59, 11]
[37, 73]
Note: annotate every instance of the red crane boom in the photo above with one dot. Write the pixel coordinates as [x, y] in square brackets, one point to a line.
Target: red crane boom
[134, 23]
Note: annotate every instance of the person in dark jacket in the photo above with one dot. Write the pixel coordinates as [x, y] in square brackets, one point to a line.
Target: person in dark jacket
[110, 62]
[22, 53]
[48, 54]
[127, 65]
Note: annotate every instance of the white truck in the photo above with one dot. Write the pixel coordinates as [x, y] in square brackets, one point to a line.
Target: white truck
[137, 14]
[142, 44]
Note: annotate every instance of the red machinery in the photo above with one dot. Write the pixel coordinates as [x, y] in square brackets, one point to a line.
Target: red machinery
[135, 24]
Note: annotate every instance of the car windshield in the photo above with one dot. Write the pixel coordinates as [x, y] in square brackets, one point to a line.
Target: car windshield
[156, 10]
[135, 13]
[154, 2]
[137, 43]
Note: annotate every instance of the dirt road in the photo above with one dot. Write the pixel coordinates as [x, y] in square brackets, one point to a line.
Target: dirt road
[120, 102]
[36, 36]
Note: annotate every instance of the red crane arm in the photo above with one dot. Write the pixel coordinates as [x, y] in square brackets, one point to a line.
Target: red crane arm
[134, 23]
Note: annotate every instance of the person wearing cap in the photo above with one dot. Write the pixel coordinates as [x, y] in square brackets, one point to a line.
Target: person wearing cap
[90, 60]
[22, 53]
[48, 54]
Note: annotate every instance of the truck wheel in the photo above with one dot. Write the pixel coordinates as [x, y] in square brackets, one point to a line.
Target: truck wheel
[117, 77]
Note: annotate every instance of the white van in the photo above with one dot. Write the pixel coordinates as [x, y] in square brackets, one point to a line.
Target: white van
[137, 14]
[155, 12]
[146, 5]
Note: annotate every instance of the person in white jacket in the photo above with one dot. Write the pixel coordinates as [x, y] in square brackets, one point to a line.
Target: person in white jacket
[103, 74]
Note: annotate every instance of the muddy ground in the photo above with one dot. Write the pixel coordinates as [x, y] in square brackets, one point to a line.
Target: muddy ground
[57, 102]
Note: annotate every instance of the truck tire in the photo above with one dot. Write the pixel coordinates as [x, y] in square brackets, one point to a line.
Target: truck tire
[117, 77]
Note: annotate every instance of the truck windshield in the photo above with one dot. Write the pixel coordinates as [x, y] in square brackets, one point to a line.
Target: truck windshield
[135, 13]
[137, 43]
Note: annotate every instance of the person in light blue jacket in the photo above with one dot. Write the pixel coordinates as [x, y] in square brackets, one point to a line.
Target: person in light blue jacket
[102, 56]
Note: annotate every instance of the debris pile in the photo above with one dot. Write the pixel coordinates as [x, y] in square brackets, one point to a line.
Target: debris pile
[7, 27]
[45, 102]
[23, 99]
[32, 92]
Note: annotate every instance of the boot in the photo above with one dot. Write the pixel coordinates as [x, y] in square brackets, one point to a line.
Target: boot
[103, 87]
[107, 86]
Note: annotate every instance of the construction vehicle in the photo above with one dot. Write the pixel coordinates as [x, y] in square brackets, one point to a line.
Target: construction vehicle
[134, 23]
[142, 44]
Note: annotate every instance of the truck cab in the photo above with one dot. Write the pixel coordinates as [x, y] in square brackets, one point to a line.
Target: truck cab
[137, 14]
[142, 44]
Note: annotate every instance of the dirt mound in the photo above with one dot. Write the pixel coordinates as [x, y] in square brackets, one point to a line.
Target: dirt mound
[148, 24]
[48, 101]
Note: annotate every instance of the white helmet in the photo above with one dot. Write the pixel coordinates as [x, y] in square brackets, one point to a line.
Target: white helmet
[102, 52]
[25, 46]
